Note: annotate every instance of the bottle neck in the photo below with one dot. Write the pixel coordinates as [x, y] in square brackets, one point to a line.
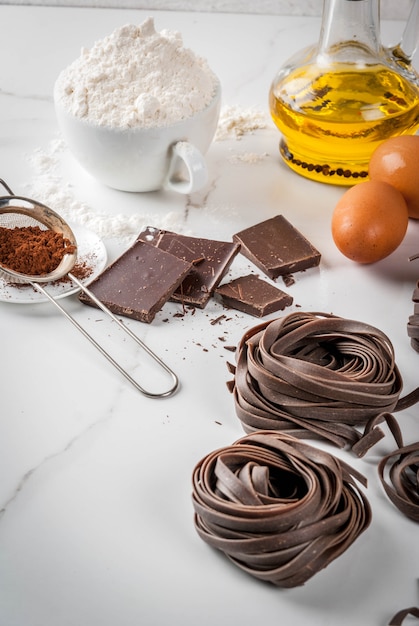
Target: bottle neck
[350, 28]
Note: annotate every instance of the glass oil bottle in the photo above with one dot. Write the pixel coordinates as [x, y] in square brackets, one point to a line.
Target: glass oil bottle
[336, 101]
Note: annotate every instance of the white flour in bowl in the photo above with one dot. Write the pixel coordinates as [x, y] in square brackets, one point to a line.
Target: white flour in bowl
[136, 77]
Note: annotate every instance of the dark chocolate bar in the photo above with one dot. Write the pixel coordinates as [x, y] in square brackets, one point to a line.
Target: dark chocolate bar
[139, 282]
[277, 248]
[253, 295]
[210, 259]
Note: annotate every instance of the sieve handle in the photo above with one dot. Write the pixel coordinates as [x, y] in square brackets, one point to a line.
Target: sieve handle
[6, 186]
[132, 335]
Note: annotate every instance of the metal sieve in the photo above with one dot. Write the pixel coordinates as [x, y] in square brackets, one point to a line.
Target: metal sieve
[18, 211]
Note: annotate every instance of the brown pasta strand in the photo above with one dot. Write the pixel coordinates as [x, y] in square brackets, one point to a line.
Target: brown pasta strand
[399, 618]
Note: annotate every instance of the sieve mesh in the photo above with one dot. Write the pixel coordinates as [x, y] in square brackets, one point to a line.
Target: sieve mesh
[18, 220]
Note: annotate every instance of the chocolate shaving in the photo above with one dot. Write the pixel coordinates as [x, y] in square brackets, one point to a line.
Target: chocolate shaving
[288, 279]
[280, 509]
[217, 320]
[317, 375]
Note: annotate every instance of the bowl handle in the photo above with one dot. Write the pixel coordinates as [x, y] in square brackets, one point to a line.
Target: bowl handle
[187, 171]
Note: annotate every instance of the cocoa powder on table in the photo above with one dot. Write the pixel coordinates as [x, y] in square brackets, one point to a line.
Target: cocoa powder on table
[31, 250]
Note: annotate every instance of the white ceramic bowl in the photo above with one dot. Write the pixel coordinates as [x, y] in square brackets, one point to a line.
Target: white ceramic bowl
[143, 159]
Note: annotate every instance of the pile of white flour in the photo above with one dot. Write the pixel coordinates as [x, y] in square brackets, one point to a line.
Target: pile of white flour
[136, 77]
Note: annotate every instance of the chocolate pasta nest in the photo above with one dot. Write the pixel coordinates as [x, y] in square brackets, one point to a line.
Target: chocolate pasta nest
[279, 508]
[399, 475]
[315, 375]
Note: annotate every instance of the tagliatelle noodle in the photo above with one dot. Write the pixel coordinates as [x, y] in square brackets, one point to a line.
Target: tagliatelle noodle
[279, 508]
[317, 375]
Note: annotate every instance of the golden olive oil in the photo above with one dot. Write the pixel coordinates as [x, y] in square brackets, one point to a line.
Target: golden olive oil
[332, 120]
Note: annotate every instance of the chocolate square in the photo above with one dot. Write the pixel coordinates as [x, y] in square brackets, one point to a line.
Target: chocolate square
[253, 295]
[139, 282]
[276, 247]
[211, 260]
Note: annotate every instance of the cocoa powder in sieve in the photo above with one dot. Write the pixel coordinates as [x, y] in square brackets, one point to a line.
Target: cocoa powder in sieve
[31, 250]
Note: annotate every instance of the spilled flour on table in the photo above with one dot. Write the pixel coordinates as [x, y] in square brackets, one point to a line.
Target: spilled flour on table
[248, 157]
[235, 122]
[49, 188]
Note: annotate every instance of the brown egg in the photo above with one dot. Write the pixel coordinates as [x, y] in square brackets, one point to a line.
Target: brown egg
[369, 221]
[396, 161]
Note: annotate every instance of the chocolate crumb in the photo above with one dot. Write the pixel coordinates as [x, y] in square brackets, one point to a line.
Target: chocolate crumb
[217, 320]
[288, 280]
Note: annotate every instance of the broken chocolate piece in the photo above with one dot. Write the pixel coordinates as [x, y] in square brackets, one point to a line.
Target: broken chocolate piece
[277, 248]
[210, 259]
[252, 295]
[139, 282]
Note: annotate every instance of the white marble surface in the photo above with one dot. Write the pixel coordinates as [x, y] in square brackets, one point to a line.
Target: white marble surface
[96, 523]
[389, 9]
